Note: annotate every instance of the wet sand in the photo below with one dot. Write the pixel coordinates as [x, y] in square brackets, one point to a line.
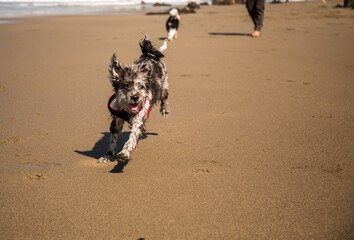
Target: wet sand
[258, 144]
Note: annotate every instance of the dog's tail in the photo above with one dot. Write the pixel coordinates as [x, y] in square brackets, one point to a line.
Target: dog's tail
[163, 48]
[148, 50]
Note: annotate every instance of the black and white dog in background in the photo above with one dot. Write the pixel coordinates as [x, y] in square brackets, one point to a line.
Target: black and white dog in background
[138, 88]
[172, 24]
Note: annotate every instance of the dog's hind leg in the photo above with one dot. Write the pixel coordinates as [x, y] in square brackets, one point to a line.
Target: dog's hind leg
[115, 130]
[165, 109]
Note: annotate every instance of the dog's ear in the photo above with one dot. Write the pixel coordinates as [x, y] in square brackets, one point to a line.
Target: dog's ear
[116, 71]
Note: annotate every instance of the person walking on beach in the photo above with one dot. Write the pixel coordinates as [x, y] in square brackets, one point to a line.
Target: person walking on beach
[256, 11]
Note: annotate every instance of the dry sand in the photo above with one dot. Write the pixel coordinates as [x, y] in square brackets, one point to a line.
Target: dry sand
[258, 145]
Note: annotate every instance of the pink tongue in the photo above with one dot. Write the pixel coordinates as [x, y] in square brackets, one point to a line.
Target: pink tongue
[134, 107]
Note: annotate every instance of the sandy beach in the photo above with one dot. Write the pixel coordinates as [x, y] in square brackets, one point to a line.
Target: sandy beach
[258, 144]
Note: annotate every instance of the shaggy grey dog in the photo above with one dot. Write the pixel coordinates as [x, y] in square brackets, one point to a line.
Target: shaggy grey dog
[138, 88]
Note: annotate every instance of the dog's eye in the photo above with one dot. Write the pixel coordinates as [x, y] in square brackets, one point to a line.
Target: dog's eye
[141, 87]
[125, 86]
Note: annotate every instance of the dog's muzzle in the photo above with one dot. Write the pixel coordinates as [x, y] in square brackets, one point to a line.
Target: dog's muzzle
[124, 115]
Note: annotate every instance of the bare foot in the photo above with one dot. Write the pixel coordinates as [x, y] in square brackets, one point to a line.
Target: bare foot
[256, 33]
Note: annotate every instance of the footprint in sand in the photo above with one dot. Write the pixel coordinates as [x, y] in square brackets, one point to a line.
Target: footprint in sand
[186, 75]
[325, 152]
[38, 114]
[215, 163]
[182, 142]
[205, 75]
[291, 29]
[32, 161]
[13, 140]
[262, 149]
[37, 162]
[290, 81]
[222, 114]
[335, 169]
[23, 155]
[331, 169]
[201, 170]
[43, 134]
[321, 116]
[36, 177]
[209, 164]
[212, 162]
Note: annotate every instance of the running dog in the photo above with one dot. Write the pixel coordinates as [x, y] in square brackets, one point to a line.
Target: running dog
[138, 88]
[172, 24]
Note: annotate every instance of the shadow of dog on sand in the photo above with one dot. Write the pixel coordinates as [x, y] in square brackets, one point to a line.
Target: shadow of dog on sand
[100, 148]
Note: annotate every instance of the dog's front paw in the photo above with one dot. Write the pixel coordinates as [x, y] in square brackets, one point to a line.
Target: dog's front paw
[105, 159]
[164, 110]
[123, 157]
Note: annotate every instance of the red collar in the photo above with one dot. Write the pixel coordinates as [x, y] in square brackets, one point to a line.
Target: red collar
[122, 114]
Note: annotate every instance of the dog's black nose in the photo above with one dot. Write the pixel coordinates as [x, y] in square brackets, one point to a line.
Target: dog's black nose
[135, 97]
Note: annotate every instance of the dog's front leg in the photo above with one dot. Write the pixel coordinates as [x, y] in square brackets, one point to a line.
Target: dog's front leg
[136, 132]
[115, 130]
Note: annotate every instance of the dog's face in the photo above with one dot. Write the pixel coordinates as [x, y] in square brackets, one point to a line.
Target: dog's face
[173, 12]
[130, 83]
